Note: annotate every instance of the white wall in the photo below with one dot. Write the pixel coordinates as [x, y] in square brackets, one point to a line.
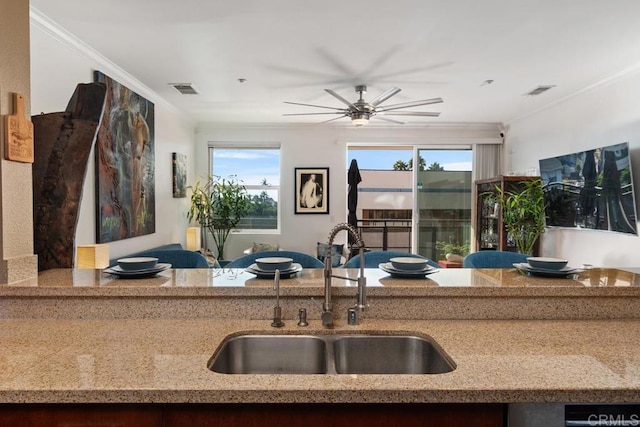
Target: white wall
[606, 114]
[322, 146]
[58, 64]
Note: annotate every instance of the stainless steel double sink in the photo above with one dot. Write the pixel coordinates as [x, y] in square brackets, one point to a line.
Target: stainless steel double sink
[330, 354]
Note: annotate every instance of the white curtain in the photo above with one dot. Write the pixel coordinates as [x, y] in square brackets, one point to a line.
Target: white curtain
[487, 161]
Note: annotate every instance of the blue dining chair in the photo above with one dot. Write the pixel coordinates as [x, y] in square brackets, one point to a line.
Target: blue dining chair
[493, 259]
[374, 258]
[305, 260]
[178, 258]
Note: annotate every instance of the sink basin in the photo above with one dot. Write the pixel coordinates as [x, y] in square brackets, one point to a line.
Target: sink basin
[389, 354]
[330, 354]
[271, 354]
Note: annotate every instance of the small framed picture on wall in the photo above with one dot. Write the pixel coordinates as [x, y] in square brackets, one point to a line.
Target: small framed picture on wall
[179, 162]
[311, 190]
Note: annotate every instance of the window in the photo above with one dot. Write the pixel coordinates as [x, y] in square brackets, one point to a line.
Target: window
[258, 169]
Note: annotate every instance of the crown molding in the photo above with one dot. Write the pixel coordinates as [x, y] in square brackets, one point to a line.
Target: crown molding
[468, 126]
[51, 28]
[440, 134]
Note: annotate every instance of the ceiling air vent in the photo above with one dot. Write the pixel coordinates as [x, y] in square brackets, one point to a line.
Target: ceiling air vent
[539, 90]
[185, 88]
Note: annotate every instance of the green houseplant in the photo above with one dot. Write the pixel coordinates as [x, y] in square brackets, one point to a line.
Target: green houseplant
[218, 205]
[453, 251]
[523, 213]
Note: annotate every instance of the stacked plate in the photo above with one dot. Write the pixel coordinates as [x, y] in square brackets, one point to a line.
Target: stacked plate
[137, 267]
[546, 267]
[407, 267]
[269, 274]
[274, 263]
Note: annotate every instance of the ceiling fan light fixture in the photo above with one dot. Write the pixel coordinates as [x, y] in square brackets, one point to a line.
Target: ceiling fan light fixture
[361, 111]
[359, 118]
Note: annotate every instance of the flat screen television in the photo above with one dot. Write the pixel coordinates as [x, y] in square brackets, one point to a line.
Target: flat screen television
[591, 189]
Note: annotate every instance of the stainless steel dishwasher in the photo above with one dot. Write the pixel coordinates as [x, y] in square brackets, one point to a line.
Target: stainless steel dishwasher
[573, 415]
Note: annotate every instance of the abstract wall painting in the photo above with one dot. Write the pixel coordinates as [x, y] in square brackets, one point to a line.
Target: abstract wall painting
[125, 165]
[179, 167]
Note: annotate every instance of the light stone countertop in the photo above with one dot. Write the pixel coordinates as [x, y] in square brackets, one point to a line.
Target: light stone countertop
[138, 360]
[78, 336]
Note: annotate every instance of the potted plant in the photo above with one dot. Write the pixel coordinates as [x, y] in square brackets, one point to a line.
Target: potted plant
[523, 213]
[453, 252]
[218, 205]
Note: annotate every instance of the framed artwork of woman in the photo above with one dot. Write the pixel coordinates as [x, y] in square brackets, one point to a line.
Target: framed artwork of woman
[311, 190]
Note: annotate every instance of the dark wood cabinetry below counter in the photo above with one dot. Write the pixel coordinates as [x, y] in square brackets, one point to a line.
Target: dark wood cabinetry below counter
[253, 415]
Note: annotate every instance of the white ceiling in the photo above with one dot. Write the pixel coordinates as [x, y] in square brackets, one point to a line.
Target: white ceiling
[291, 50]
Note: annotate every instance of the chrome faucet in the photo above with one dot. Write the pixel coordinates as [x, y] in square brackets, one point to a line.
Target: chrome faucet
[277, 311]
[361, 299]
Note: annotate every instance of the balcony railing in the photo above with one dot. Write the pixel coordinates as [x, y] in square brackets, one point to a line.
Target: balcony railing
[395, 234]
[386, 234]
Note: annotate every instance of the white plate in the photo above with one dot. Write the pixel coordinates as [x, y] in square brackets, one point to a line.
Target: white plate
[564, 272]
[294, 269]
[388, 268]
[136, 274]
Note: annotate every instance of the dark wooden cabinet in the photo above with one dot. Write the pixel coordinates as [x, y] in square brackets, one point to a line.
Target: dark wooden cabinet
[257, 415]
[80, 415]
[490, 233]
[355, 415]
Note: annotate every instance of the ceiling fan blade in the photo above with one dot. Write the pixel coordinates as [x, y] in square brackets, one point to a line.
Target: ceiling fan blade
[410, 113]
[330, 120]
[388, 120]
[384, 96]
[318, 106]
[341, 98]
[410, 104]
[313, 114]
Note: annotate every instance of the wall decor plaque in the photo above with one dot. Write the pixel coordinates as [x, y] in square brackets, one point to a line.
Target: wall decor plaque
[18, 140]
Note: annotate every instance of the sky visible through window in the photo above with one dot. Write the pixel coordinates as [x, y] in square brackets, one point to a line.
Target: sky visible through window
[251, 166]
[450, 160]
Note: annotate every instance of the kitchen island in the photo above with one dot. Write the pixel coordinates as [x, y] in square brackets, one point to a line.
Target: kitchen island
[82, 336]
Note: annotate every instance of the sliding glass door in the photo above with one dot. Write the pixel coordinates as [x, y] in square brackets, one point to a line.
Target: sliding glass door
[443, 193]
[410, 198]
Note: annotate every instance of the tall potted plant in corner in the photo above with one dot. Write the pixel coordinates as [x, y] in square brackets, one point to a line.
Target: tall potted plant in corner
[523, 213]
[218, 205]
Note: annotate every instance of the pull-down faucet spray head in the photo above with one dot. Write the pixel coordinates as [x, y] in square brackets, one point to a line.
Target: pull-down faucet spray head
[327, 306]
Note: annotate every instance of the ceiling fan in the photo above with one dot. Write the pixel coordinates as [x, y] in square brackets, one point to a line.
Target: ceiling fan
[361, 111]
